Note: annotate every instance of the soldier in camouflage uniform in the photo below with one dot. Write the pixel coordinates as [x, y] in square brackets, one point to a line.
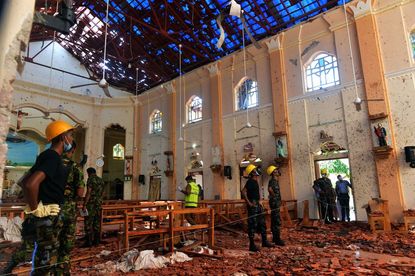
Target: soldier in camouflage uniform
[256, 214]
[74, 188]
[44, 193]
[92, 203]
[274, 204]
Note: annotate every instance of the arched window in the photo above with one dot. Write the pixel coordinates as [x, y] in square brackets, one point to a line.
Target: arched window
[118, 152]
[247, 95]
[322, 72]
[413, 43]
[156, 121]
[194, 110]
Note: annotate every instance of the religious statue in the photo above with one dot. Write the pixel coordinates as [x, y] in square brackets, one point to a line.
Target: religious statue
[380, 132]
[280, 149]
[216, 155]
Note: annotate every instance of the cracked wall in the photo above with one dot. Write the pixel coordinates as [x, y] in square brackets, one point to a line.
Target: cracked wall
[15, 27]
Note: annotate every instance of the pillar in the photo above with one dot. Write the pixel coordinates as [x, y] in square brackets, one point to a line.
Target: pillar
[171, 94]
[280, 111]
[15, 25]
[136, 152]
[378, 104]
[218, 184]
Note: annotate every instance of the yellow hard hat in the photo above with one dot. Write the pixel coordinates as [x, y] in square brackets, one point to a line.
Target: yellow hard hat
[271, 169]
[324, 171]
[249, 169]
[57, 128]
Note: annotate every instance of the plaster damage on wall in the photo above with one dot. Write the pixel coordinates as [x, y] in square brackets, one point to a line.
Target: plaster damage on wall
[8, 74]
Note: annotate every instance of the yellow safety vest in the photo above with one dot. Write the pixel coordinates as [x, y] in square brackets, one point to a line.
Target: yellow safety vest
[192, 199]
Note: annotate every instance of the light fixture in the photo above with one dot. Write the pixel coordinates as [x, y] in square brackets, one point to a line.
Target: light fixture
[194, 145]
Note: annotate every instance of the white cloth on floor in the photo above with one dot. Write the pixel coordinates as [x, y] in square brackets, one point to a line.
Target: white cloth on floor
[10, 229]
[146, 259]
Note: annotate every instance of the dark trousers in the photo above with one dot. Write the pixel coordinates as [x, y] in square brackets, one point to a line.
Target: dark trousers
[190, 217]
[327, 208]
[256, 221]
[275, 218]
[344, 204]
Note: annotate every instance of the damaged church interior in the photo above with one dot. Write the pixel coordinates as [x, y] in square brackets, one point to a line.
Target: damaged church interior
[207, 137]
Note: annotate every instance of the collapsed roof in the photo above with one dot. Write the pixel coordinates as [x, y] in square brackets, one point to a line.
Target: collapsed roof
[146, 34]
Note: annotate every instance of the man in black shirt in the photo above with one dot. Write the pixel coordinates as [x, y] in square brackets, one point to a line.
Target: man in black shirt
[256, 217]
[44, 193]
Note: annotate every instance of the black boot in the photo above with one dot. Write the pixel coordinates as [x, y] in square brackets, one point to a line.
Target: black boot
[97, 239]
[277, 240]
[252, 246]
[88, 241]
[265, 242]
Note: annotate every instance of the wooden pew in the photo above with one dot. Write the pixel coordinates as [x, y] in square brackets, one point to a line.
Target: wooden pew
[11, 212]
[135, 227]
[113, 214]
[227, 211]
[377, 211]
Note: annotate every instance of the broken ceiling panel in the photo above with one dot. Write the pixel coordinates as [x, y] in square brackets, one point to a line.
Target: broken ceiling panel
[146, 34]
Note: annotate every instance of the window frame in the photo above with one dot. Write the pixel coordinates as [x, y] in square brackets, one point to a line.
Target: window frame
[253, 92]
[318, 68]
[156, 122]
[412, 44]
[191, 113]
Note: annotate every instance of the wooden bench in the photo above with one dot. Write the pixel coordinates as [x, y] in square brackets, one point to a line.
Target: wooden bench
[227, 211]
[377, 211]
[408, 217]
[167, 227]
[114, 214]
[12, 211]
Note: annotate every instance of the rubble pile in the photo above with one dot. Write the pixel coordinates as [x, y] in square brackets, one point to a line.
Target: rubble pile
[340, 249]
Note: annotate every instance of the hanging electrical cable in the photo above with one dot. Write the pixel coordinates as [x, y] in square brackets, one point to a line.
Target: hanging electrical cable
[180, 92]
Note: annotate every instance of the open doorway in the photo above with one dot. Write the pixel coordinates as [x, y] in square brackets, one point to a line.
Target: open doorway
[114, 154]
[335, 167]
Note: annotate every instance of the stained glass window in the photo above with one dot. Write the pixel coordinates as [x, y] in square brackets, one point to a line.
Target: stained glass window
[156, 121]
[194, 110]
[322, 72]
[118, 152]
[247, 95]
[413, 43]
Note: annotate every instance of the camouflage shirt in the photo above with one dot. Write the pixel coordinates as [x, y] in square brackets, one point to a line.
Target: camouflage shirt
[96, 185]
[275, 186]
[75, 179]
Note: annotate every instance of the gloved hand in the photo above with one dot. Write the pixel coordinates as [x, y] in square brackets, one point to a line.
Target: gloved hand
[43, 210]
[179, 188]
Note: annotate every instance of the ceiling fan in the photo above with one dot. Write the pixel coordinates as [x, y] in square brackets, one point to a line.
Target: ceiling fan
[103, 82]
[248, 125]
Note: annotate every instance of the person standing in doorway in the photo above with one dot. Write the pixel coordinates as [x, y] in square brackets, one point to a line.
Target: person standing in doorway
[43, 188]
[92, 204]
[327, 196]
[342, 191]
[274, 204]
[74, 189]
[191, 198]
[256, 216]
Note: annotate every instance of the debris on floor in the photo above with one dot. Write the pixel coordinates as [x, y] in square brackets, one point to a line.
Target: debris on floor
[339, 248]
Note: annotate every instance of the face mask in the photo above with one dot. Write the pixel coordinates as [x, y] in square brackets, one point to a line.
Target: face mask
[340, 178]
[67, 147]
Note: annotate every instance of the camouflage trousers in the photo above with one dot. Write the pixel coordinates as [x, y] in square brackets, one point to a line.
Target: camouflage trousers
[93, 223]
[43, 234]
[256, 220]
[275, 217]
[24, 254]
[67, 237]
